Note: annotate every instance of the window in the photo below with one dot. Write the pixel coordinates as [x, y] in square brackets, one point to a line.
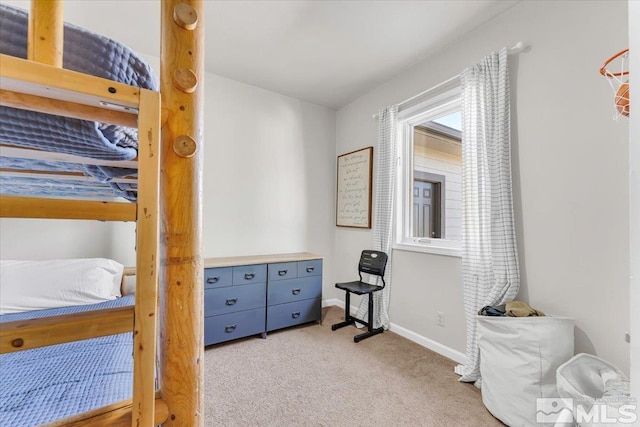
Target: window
[429, 203]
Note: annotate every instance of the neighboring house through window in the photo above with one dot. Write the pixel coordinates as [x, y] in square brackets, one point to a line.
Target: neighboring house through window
[429, 192]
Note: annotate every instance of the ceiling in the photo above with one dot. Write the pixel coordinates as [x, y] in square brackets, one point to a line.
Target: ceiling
[325, 52]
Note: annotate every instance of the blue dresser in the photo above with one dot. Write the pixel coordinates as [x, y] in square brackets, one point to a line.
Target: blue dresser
[246, 296]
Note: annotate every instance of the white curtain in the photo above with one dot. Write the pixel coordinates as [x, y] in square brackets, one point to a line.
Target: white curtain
[386, 156]
[489, 254]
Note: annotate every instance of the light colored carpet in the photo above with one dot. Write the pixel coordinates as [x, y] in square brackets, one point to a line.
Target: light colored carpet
[312, 376]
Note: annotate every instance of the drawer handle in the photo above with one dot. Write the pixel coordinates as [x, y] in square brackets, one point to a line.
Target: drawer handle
[282, 272]
[295, 291]
[310, 269]
[295, 315]
[213, 279]
[249, 276]
[230, 328]
[231, 301]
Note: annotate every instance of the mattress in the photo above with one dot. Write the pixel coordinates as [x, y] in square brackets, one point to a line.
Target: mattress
[88, 53]
[44, 384]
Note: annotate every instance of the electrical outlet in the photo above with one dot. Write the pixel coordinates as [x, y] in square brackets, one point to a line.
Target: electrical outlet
[627, 337]
[439, 318]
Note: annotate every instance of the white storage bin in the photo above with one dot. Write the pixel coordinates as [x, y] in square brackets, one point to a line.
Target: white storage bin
[519, 357]
[595, 392]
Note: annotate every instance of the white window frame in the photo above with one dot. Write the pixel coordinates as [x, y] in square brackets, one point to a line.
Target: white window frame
[432, 107]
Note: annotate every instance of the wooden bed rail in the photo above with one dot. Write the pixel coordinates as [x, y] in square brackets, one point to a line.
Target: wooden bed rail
[41, 104]
[115, 415]
[43, 88]
[31, 78]
[36, 207]
[33, 333]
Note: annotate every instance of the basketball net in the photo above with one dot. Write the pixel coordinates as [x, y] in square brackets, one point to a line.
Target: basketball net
[616, 69]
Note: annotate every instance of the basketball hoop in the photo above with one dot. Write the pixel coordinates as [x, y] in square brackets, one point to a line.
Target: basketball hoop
[618, 81]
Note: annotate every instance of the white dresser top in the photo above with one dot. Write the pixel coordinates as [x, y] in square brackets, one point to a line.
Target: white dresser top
[258, 259]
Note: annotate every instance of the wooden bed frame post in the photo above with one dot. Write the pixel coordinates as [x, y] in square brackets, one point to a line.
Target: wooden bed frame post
[148, 206]
[45, 34]
[181, 275]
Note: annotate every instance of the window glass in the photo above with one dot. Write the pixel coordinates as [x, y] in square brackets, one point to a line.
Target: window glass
[437, 178]
[429, 202]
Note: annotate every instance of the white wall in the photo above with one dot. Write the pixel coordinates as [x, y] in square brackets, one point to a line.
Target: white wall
[570, 176]
[269, 185]
[634, 195]
[53, 239]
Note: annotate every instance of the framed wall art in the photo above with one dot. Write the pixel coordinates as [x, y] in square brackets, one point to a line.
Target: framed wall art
[353, 194]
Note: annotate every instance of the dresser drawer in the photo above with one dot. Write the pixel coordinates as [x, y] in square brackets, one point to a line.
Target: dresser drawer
[217, 277]
[235, 325]
[283, 270]
[246, 274]
[310, 268]
[293, 313]
[234, 298]
[283, 291]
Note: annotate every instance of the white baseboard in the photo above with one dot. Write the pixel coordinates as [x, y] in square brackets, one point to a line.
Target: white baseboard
[432, 345]
[338, 302]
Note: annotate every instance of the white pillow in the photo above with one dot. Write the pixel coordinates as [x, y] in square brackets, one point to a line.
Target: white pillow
[37, 285]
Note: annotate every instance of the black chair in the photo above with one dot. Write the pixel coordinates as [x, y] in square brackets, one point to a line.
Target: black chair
[374, 263]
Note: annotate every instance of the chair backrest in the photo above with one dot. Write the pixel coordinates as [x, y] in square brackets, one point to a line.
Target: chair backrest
[372, 262]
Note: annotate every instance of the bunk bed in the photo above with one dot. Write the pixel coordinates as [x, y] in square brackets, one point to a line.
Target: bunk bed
[147, 169]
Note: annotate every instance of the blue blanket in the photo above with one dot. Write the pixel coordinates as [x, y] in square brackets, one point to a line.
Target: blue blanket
[41, 385]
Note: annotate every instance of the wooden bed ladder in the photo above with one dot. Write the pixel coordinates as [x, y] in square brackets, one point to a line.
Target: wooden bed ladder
[182, 278]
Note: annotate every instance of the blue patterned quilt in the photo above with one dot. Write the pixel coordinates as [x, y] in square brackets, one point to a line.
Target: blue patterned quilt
[41, 385]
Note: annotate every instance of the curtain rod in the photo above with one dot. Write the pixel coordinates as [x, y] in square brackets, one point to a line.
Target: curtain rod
[517, 48]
